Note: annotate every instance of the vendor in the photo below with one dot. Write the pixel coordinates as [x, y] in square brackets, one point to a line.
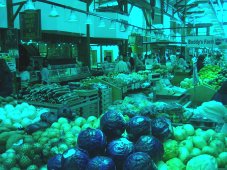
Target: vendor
[6, 79]
[121, 66]
[221, 95]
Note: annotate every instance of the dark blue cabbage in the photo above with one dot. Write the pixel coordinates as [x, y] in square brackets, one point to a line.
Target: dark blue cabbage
[137, 126]
[101, 163]
[75, 158]
[119, 150]
[113, 124]
[92, 140]
[55, 163]
[161, 128]
[139, 161]
[150, 145]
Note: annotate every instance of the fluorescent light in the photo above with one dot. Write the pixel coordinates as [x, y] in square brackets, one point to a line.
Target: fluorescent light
[2, 4]
[29, 5]
[88, 20]
[53, 12]
[101, 23]
[73, 17]
[112, 25]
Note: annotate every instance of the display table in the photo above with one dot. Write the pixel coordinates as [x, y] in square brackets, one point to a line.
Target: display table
[179, 76]
[201, 93]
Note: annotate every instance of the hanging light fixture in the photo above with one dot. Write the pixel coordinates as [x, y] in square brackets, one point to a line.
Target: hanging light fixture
[73, 17]
[29, 5]
[53, 12]
[112, 25]
[2, 4]
[102, 23]
[122, 27]
[88, 20]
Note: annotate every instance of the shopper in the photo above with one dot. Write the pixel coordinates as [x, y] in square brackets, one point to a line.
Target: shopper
[45, 73]
[6, 79]
[200, 62]
[78, 63]
[25, 77]
[182, 63]
[121, 66]
[221, 95]
[138, 63]
[132, 63]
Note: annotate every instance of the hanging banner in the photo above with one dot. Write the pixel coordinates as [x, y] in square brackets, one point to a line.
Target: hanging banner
[30, 25]
[205, 41]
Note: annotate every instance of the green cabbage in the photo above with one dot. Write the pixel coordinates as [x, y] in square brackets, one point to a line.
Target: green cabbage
[175, 164]
[171, 149]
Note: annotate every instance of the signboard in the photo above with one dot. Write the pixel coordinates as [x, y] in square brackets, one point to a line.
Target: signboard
[30, 25]
[205, 41]
[11, 38]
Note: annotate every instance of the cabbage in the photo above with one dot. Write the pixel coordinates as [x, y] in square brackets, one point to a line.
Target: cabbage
[175, 164]
[171, 149]
[138, 126]
[55, 162]
[160, 128]
[222, 159]
[199, 142]
[189, 129]
[112, 123]
[139, 161]
[75, 158]
[150, 145]
[101, 163]
[92, 140]
[202, 162]
[119, 150]
[179, 133]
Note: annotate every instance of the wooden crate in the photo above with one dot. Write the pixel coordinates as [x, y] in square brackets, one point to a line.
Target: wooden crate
[91, 109]
[105, 99]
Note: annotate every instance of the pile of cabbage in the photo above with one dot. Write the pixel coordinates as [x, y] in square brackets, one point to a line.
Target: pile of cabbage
[195, 149]
[117, 144]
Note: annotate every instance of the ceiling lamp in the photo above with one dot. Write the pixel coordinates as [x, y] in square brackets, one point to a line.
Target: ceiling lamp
[53, 12]
[122, 27]
[112, 25]
[2, 4]
[73, 17]
[88, 20]
[102, 23]
[29, 5]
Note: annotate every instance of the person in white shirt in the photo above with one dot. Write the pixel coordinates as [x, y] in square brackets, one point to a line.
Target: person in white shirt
[45, 73]
[25, 78]
[121, 66]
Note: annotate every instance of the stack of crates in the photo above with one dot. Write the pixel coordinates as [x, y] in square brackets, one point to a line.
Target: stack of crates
[105, 96]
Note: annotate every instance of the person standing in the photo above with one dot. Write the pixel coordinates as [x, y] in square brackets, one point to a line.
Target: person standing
[6, 79]
[25, 78]
[121, 66]
[45, 73]
[221, 95]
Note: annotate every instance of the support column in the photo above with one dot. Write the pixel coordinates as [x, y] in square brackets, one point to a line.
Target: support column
[9, 8]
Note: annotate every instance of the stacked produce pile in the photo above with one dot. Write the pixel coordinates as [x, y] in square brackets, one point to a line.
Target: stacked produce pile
[161, 69]
[208, 75]
[19, 116]
[140, 105]
[187, 83]
[117, 145]
[183, 149]
[52, 93]
[63, 134]
[20, 152]
[7, 100]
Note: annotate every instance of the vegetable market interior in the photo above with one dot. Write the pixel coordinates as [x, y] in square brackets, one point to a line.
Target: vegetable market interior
[113, 84]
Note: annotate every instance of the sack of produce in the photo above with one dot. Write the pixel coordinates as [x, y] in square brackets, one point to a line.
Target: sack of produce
[75, 158]
[138, 126]
[101, 162]
[139, 160]
[150, 145]
[55, 162]
[92, 140]
[49, 117]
